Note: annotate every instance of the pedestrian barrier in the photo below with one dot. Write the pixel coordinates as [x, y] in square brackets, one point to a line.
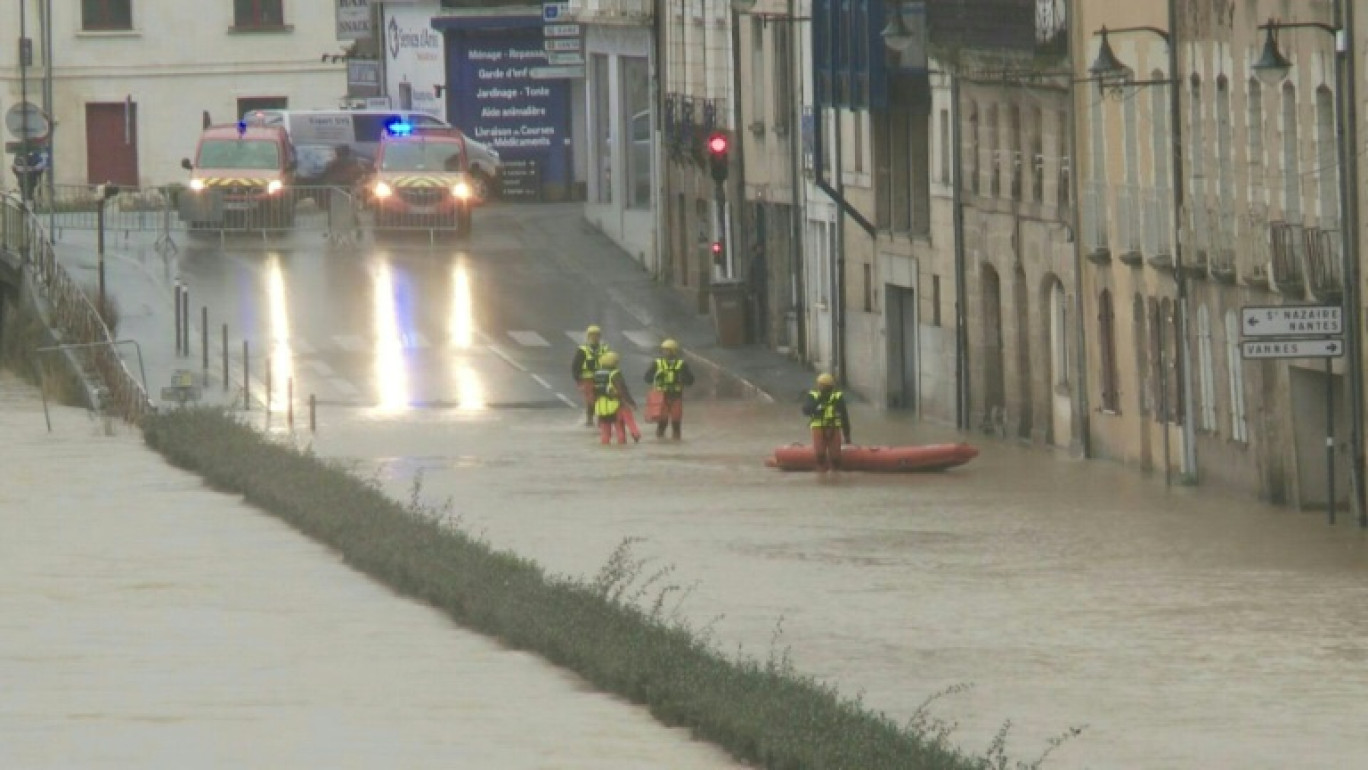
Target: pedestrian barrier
[71, 314]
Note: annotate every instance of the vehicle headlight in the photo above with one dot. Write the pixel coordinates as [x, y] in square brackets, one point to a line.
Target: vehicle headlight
[196, 184]
[382, 190]
[461, 190]
[273, 187]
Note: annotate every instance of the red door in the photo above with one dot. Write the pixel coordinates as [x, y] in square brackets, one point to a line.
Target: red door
[112, 143]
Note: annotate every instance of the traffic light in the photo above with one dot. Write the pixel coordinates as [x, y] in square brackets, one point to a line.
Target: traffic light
[717, 146]
[717, 252]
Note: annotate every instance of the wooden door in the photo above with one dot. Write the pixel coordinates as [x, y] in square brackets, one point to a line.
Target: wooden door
[112, 143]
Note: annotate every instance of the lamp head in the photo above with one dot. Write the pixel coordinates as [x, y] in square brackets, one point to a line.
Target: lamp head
[1271, 66]
[895, 34]
[1106, 65]
[742, 6]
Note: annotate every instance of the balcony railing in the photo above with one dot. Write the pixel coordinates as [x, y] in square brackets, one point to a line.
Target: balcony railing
[611, 11]
[1095, 238]
[1129, 232]
[1221, 252]
[1288, 244]
[1323, 273]
[1158, 209]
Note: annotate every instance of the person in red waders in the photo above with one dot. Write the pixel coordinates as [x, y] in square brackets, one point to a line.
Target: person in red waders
[612, 399]
[583, 367]
[830, 422]
[668, 376]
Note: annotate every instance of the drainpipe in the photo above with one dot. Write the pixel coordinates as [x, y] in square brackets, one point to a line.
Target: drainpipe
[739, 142]
[1184, 346]
[1082, 409]
[961, 291]
[658, 151]
[795, 134]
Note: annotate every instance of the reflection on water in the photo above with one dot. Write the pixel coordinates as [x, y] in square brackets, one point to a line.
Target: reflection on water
[391, 374]
[470, 392]
[1186, 628]
[281, 355]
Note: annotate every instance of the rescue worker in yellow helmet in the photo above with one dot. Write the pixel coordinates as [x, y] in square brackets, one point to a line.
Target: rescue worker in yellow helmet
[582, 368]
[668, 376]
[829, 420]
[610, 398]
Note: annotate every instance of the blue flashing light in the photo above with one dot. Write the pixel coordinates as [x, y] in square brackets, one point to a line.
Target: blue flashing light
[399, 128]
[242, 127]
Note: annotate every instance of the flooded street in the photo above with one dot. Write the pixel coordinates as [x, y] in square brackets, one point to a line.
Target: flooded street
[1184, 630]
[146, 622]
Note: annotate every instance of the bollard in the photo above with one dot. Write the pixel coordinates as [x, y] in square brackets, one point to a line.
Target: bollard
[246, 382]
[185, 319]
[225, 358]
[177, 318]
[313, 413]
[289, 403]
[268, 388]
[204, 340]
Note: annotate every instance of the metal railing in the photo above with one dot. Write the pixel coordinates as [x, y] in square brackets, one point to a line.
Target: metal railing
[591, 11]
[1288, 244]
[71, 314]
[1158, 207]
[1323, 268]
[1128, 218]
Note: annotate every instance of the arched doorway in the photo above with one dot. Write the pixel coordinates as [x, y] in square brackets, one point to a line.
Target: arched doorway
[1021, 304]
[994, 391]
[1057, 325]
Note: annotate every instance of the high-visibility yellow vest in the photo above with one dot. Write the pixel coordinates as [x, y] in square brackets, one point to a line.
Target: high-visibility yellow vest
[828, 417]
[607, 402]
[667, 375]
[592, 354]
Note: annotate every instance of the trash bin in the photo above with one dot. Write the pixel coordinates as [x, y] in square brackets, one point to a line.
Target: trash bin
[729, 313]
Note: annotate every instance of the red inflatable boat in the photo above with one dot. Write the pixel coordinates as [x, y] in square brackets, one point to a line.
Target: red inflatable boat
[886, 459]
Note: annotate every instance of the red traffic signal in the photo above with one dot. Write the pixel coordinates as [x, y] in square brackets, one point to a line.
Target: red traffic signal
[717, 146]
[717, 252]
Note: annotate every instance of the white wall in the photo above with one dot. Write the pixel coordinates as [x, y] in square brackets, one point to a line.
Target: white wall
[180, 58]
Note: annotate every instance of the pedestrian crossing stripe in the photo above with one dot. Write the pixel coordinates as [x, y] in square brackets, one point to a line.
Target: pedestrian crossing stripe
[529, 339]
[349, 342]
[644, 340]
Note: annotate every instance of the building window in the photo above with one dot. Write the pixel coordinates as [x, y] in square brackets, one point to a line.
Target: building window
[994, 157]
[1327, 167]
[1037, 156]
[1142, 363]
[918, 139]
[1254, 134]
[258, 13]
[945, 152]
[1160, 207]
[1196, 144]
[1224, 177]
[868, 272]
[1291, 170]
[1106, 323]
[757, 72]
[858, 136]
[602, 151]
[973, 148]
[1238, 429]
[1159, 356]
[635, 93]
[900, 171]
[935, 301]
[783, 78]
[106, 14]
[1013, 158]
[1174, 376]
[1059, 334]
[1064, 191]
[1206, 371]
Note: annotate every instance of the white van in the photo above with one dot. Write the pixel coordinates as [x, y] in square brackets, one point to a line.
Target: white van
[316, 134]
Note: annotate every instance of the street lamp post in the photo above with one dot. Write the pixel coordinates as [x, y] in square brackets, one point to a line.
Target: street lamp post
[1273, 66]
[1108, 66]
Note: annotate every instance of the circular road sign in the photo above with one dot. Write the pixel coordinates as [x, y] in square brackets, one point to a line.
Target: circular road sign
[26, 121]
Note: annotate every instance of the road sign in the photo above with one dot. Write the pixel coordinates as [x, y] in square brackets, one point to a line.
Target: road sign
[1332, 347]
[556, 73]
[27, 121]
[1290, 320]
[563, 44]
[565, 59]
[560, 30]
[555, 11]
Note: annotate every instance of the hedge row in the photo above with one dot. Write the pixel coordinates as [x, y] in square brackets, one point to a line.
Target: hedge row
[761, 712]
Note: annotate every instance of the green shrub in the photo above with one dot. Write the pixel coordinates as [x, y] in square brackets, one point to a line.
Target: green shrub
[761, 712]
[22, 332]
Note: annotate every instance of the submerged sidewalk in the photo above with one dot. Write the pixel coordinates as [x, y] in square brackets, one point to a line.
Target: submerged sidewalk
[149, 622]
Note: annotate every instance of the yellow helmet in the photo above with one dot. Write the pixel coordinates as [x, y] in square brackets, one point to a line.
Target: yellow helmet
[593, 329]
[670, 345]
[609, 360]
[825, 380]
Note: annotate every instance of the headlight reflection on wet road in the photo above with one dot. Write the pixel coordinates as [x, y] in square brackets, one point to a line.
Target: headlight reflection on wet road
[281, 355]
[470, 395]
[391, 374]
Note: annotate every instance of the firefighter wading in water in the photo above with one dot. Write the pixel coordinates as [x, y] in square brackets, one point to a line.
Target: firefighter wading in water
[668, 376]
[610, 395]
[584, 366]
[829, 421]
